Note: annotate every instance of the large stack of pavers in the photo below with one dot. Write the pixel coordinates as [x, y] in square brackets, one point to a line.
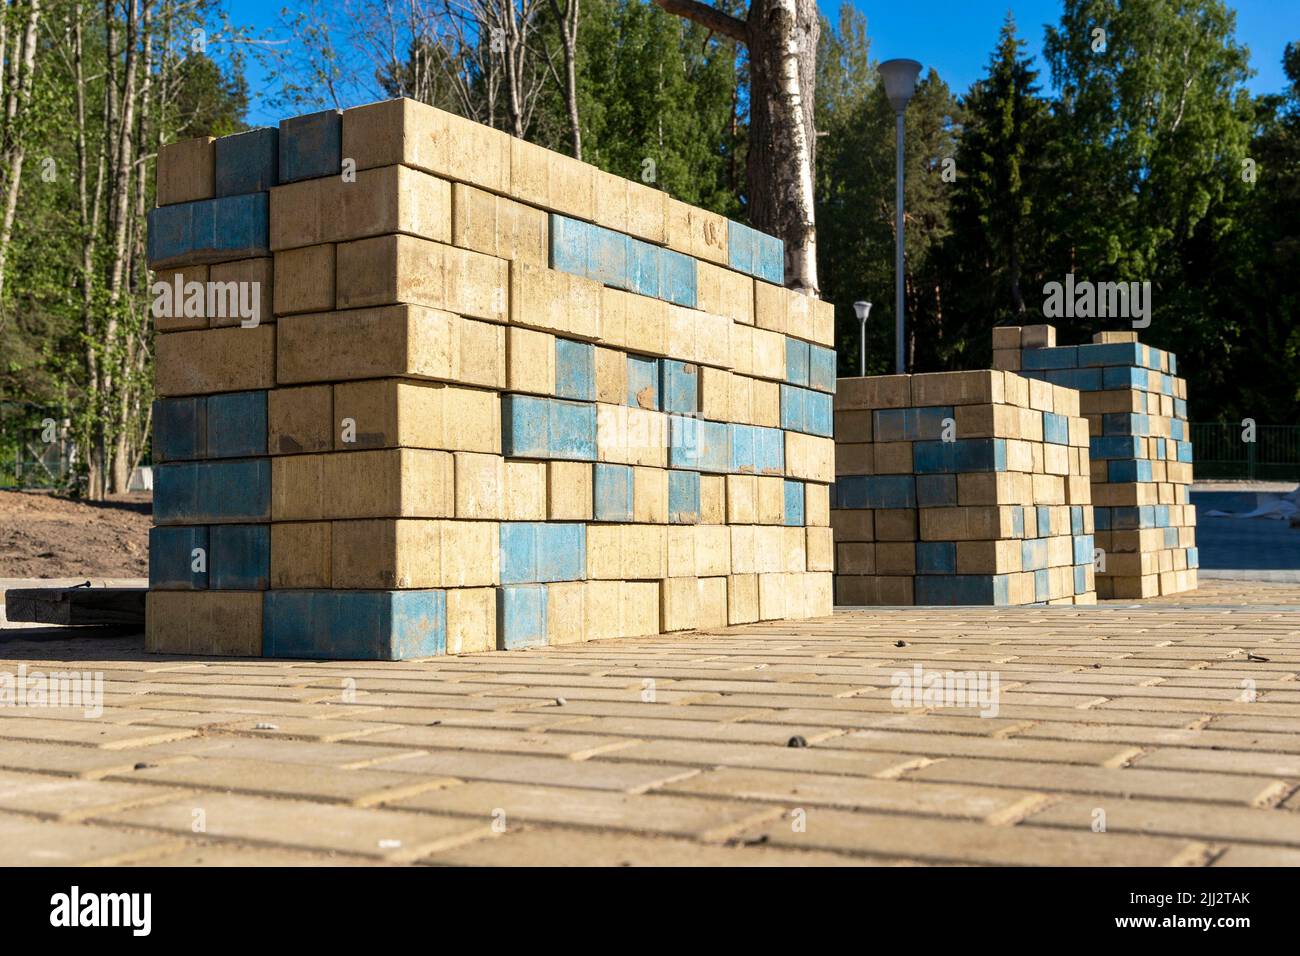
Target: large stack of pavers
[961, 488]
[1141, 451]
[494, 398]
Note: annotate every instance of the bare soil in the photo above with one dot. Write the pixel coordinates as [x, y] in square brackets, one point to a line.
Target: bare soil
[43, 535]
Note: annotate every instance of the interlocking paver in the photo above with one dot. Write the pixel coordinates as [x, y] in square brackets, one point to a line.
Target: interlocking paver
[770, 744]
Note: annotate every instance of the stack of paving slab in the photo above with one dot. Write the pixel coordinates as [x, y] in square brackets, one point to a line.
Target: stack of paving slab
[496, 398]
[1141, 451]
[961, 488]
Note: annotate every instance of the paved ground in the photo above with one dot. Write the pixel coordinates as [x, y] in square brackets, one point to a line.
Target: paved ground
[679, 749]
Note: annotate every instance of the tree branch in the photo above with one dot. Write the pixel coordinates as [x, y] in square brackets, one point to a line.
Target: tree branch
[709, 17]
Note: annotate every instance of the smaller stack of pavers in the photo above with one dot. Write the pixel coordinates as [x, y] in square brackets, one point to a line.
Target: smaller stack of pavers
[1141, 452]
[961, 488]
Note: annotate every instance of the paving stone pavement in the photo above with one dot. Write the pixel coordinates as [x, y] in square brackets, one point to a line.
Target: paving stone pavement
[1159, 733]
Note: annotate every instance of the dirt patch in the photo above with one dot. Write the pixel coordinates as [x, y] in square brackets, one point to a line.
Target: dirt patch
[46, 536]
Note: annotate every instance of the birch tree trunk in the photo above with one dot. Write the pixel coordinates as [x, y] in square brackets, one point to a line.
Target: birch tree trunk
[567, 18]
[18, 74]
[781, 36]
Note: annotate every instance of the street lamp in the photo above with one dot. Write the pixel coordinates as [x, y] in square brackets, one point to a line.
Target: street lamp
[899, 77]
[863, 309]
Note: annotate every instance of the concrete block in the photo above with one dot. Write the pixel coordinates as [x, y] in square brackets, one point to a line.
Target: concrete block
[611, 376]
[524, 491]
[311, 146]
[650, 495]
[555, 301]
[643, 382]
[1037, 337]
[575, 370]
[677, 278]
[300, 419]
[392, 199]
[540, 552]
[530, 361]
[185, 171]
[681, 552]
[683, 497]
[208, 230]
[726, 293]
[395, 269]
[768, 359]
[699, 445]
[742, 499]
[548, 428]
[355, 625]
[679, 604]
[711, 602]
[414, 134]
[212, 492]
[242, 292]
[304, 279]
[471, 620]
[237, 424]
[680, 389]
[480, 486]
[771, 500]
[180, 429]
[389, 413]
[179, 558]
[300, 554]
[240, 557]
[497, 226]
[793, 502]
[247, 162]
[819, 549]
[411, 553]
[569, 491]
[613, 489]
[742, 598]
[211, 623]
[566, 610]
[397, 341]
[191, 312]
[713, 499]
[809, 457]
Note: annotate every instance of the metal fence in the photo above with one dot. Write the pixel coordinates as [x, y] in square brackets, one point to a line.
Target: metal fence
[1221, 451]
[36, 449]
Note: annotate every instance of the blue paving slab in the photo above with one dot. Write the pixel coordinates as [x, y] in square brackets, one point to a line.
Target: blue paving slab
[744, 449]
[172, 558]
[680, 386]
[1128, 469]
[209, 230]
[575, 370]
[1083, 547]
[1042, 585]
[797, 358]
[769, 451]
[1110, 353]
[521, 616]
[1033, 554]
[533, 427]
[240, 557]
[793, 416]
[311, 146]
[819, 413]
[213, 492]
[1056, 429]
[607, 257]
[1066, 356]
[1076, 519]
[1081, 579]
[613, 492]
[247, 162]
[642, 268]
[958, 589]
[909, 424]
[1114, 446]
[236, 424]
[677, 278]
[769, 258]
[683, 497]
[794, 503]
[354, 625]
[539, 551]
[179, 429]
[740, 247]
[875, 491]
[821, 368]
[570, 243]
[936, 557]
[643, 382]
[936, 491]
[958, 457]
[699, 445]
[1125, 423]
[1118, 377]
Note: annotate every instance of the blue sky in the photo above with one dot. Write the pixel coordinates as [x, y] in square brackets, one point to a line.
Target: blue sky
[953, 36]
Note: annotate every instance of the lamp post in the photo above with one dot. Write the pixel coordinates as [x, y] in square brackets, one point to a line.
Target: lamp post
[899, 77]
[863, 309]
